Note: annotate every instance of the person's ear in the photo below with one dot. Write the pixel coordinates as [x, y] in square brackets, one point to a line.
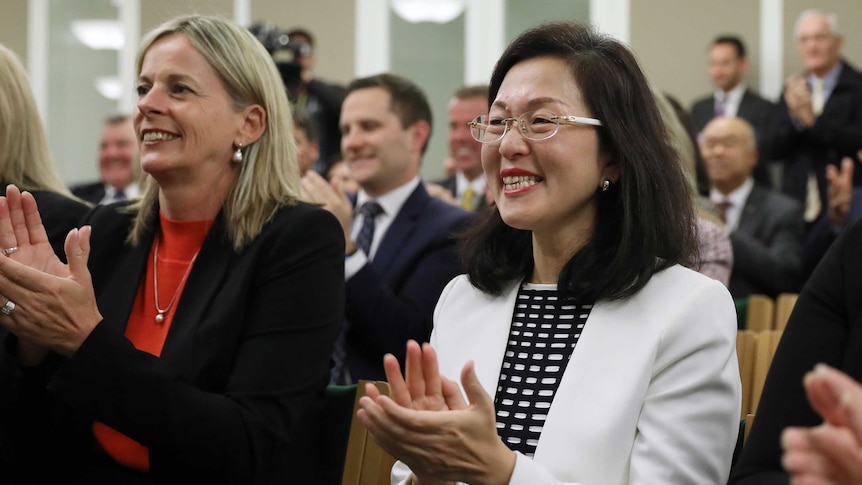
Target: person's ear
[419, 133]
[253, 124]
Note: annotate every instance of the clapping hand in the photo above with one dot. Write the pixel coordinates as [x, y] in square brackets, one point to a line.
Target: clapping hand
[798, 100]
[429, 426]
[840, 190]
[829, 454]
[48, 305]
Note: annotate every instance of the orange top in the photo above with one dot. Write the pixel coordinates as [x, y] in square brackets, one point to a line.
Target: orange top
[179, 245]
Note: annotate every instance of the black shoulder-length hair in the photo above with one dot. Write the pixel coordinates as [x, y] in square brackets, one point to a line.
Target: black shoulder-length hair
[644, 222]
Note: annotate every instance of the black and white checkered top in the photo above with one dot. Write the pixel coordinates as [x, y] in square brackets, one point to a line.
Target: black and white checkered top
[544, 332]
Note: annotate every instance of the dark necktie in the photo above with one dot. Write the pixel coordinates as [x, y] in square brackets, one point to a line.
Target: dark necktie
[722, 209]
[119, 195]
[370, 210]
[340, 374]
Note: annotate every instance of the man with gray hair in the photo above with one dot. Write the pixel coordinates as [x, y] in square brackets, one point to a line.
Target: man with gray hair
[819, 117]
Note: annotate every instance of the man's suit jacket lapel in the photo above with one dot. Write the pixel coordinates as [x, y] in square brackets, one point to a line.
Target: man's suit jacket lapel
[750, 219]
[397, 237]
[745, 109]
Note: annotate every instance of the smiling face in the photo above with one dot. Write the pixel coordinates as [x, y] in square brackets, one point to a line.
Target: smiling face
[547, 186]
[117, 153]
[726, 68]
[729, 153]
[381, 153]
[463, 149]
[818, 46]
[185, 122]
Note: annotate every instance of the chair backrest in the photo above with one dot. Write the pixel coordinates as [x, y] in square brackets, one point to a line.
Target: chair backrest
[760, 313]
[366, 463]
[783, 308]
[754, 352]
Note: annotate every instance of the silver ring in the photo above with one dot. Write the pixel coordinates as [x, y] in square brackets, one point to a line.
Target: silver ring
[8, 308]
[12, 250]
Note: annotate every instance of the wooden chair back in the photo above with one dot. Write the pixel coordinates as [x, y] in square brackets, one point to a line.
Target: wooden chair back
[783, 308]
[366, 463]
[760, 313]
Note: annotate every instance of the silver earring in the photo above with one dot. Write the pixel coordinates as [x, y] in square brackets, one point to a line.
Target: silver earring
[237, 155]
[606, 185]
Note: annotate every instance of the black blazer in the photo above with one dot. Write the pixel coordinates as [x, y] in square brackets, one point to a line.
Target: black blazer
[392, 299]
[92, 192]
[767, 245]
[825, 326]
[837, 133]
[235, 394]
[752, 108]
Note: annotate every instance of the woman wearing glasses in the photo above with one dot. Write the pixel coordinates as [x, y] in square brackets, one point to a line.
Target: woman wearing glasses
[586, 352]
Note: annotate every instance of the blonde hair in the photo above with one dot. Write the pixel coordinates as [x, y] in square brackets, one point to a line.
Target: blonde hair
[25, 159]
[268, 175]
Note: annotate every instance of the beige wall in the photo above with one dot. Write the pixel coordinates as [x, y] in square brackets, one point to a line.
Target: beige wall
[672, 47]
[13, 26]
[849, 19]
[330, 21]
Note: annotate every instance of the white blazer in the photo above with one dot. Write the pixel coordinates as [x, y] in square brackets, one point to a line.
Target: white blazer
[651, 394]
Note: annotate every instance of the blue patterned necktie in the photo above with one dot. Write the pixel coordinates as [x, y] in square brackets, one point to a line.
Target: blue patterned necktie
[339, 374]
[369, 210]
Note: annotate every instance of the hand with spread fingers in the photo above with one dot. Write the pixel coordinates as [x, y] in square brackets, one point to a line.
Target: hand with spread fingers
[829, 454]
[427, 424]
[49, 305]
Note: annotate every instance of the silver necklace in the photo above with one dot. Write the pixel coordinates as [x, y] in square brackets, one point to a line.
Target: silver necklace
[160, 316]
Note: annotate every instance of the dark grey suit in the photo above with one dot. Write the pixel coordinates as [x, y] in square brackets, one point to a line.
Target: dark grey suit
[753, 109]
[767, 245]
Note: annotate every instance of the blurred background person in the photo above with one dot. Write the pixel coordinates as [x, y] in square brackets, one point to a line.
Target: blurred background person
[576, 368]
[25, 159]
[189, 338]
[293, 52]
[307, 146]
[467, 185]
[342, 177]
[765, 227]
[117, 164]
[728, 65]
[715, 253]
[819, 116]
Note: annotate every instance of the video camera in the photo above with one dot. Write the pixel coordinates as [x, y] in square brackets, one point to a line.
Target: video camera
[285, 52]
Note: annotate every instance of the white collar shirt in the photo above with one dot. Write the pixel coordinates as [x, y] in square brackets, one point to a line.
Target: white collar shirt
[737, 200]
[391, 202]
[732, 99]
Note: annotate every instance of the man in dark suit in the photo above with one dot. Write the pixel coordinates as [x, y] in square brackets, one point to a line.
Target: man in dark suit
[727, 67]
[116, 164]
[819, 117]
[467, 185]
[400, 250]
[765, 227]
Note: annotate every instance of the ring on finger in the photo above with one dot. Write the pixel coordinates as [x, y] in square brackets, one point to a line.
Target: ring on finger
[8, 251]
[8, 308]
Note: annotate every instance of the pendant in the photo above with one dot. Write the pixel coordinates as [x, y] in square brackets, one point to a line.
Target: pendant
[160, 317]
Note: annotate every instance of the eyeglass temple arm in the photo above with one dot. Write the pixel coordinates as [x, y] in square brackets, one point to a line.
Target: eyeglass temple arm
[581, 120]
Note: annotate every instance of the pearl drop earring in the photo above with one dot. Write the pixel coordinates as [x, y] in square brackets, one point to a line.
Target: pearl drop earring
[237, 155]
[606, 185]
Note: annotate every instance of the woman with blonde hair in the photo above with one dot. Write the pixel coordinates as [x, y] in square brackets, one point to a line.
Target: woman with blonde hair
[188, 340]
[25, 159]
